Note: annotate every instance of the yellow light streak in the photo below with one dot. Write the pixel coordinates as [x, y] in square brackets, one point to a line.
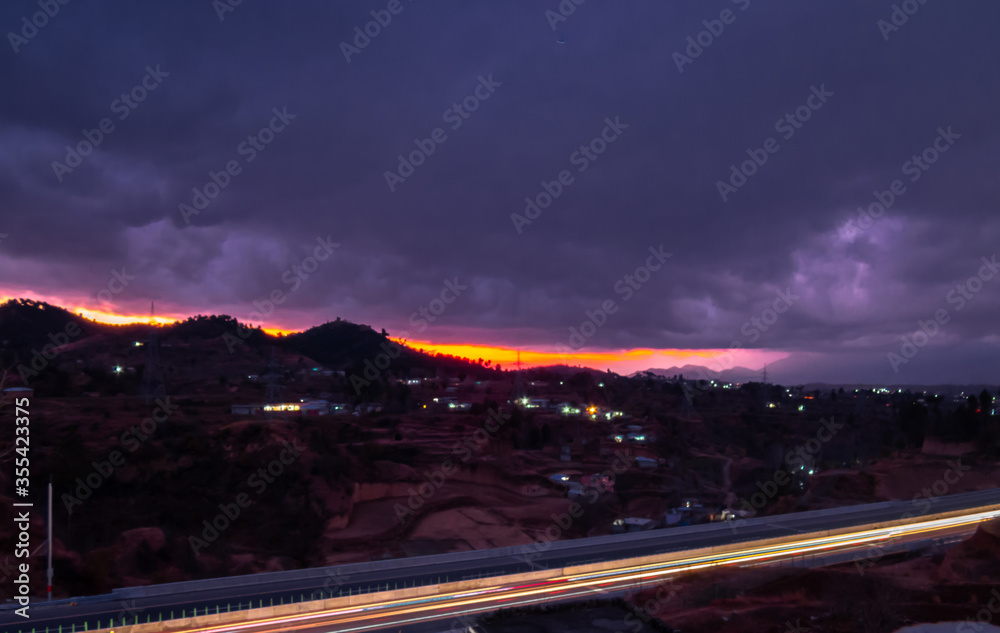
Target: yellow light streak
[643, 571]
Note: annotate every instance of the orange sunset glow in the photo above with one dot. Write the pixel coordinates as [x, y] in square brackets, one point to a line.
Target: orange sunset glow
[623, 361]
[112, 318]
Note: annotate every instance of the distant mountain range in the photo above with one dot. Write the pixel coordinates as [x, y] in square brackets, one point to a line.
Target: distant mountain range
[698, 372]
[742, 375]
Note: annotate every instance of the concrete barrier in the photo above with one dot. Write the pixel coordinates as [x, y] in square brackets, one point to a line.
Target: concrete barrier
[317, 607]
[360, 569]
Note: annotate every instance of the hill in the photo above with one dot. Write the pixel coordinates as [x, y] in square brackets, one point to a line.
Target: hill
[49, 346]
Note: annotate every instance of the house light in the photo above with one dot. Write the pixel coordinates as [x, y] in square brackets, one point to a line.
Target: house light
[281, 407]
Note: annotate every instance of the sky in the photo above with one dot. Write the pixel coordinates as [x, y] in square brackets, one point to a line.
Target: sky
[581, 181]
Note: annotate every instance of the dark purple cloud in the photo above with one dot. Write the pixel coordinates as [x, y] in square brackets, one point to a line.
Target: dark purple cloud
[323, 173]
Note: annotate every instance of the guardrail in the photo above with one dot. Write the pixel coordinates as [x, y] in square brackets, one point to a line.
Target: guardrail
[317, 608]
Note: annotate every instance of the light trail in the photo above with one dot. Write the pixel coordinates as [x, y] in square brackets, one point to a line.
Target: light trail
[621, 578]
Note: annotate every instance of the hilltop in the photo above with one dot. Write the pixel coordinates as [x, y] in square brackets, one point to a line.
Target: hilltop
[41, 342]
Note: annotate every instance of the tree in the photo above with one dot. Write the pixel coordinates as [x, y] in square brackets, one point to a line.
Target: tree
[985, 401]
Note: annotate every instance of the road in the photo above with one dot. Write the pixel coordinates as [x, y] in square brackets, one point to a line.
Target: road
[177, 599]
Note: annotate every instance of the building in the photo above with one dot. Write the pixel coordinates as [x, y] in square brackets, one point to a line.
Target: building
[19, 392]
[600, 481]
[246, 409]
[258, 409]
[631, 524]
[304, 407]
[567, 409]
[314, 407]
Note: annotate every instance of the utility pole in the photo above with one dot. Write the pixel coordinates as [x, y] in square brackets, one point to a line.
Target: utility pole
[50, 540]
[153, 384]
[272, 394]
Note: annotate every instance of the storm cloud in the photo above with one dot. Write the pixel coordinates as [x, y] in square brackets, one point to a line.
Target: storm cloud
[418, 129]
